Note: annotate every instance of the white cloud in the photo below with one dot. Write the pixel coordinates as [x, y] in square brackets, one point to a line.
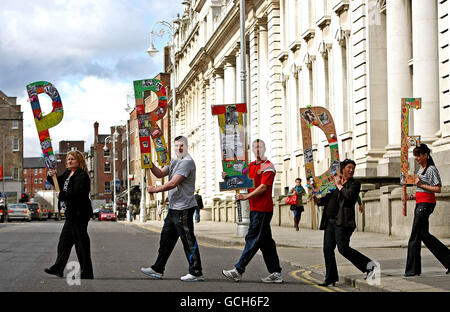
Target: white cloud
[85, 102]
[91, 50]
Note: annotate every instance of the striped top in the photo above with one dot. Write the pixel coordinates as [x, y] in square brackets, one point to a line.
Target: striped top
[431, 177]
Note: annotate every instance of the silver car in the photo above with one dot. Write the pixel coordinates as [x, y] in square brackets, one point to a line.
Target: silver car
[19, 211]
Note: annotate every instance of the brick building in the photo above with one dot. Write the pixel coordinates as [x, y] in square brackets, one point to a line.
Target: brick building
[11, 147]
[101, 163]
[64, 147]
[34, 175]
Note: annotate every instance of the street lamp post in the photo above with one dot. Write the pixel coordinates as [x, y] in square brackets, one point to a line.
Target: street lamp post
[152, 52]
[114, 135]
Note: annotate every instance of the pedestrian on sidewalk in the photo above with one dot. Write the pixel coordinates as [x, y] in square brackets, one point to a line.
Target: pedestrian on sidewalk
[338, 221]
[179, 220]
[74, 198]
[259, 234]
[428, 183]
[298, 208]
[199, 200]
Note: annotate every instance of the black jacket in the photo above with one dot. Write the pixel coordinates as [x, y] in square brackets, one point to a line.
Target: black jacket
[347, 198]
[77, 198]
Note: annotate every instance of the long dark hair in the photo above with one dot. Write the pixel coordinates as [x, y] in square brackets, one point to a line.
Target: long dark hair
[423, 149]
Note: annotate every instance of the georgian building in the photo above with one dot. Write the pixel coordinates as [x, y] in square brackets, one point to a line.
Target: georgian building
[357, 58]
[11, 147]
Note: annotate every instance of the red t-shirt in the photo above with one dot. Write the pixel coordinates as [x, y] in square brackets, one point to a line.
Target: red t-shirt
[262, 173]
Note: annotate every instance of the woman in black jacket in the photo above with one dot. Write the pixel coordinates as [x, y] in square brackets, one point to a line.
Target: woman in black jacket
[338, 221]
[74, 198]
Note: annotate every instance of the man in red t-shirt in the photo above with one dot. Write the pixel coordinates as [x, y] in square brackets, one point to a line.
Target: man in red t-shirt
[259, 234]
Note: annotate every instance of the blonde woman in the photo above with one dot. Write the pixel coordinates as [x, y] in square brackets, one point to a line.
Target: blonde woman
[74, 197]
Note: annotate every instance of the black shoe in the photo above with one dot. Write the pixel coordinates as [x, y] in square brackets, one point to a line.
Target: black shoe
[48, 271]
[326, 284]
[411, 274]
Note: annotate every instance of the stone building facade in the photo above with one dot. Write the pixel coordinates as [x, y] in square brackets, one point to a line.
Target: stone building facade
[11, 147]
[357, 58]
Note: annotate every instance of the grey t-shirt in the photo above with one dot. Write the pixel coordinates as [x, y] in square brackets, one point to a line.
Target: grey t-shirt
[182, 197]
[431, 177]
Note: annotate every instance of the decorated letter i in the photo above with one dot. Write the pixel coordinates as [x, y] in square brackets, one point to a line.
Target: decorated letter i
[45, 122]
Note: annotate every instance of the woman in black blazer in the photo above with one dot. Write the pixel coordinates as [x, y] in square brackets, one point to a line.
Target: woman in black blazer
[338, 221]
[74, 197]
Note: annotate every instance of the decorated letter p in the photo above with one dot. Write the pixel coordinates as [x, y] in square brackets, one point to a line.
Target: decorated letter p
[45, 122]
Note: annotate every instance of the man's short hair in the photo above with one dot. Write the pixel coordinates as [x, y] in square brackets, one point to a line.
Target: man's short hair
[181, 138]
[259, 141]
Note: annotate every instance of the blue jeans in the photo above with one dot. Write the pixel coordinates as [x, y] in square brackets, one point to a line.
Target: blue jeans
[259, 236]
[197, 214]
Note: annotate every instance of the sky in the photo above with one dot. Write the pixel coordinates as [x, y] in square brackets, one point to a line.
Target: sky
[90, 50]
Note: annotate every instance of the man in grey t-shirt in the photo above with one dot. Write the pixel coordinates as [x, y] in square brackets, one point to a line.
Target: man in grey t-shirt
[179, 220]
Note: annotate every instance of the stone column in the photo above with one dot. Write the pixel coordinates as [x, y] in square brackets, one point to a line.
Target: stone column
[398, 40]
[254, 83]
[219, 99]
[263, 94]
[426, 68]
[229, 77]
[275, 103]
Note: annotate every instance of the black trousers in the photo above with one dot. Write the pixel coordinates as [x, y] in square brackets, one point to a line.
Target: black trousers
[420, 233]
[179, 223]
[74, 232]
[340, 236]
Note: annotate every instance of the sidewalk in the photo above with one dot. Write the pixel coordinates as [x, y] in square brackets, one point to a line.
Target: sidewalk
[304, 249]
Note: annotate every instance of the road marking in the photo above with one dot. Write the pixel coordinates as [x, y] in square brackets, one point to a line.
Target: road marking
[307, 278]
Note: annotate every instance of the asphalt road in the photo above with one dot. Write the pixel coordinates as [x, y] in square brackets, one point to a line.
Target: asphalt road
[118, 252]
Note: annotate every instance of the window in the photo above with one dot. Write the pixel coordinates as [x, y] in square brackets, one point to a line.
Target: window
[25, 181]
[107, 167]
[73, 149]
[40, 180]
[107, 187]
[40, 170]
[15, 145]
[16, 174]
[35, 181]
[106, 153]
[35, 171]
[24, 171]
[15, 124]
[25, 190]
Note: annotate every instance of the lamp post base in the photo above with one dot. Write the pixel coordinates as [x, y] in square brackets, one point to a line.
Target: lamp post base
[241, 230]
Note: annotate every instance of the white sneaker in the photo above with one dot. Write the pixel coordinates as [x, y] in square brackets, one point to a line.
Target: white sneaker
[152, 273]
[192, 278]
[273, 278]
[232, 274]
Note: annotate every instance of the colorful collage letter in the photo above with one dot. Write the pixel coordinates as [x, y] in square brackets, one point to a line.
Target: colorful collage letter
[323, 184]
[148, 127]
[45, 122]
[407, 142]
[232, 140]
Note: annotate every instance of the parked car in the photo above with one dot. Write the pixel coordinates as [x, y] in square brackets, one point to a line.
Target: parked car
[95, 213]
[3, 210]
[37, 213]
[105, 214]
[19, 212]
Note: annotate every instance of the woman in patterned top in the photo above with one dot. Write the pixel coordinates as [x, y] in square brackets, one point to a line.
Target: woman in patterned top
[428, 183]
